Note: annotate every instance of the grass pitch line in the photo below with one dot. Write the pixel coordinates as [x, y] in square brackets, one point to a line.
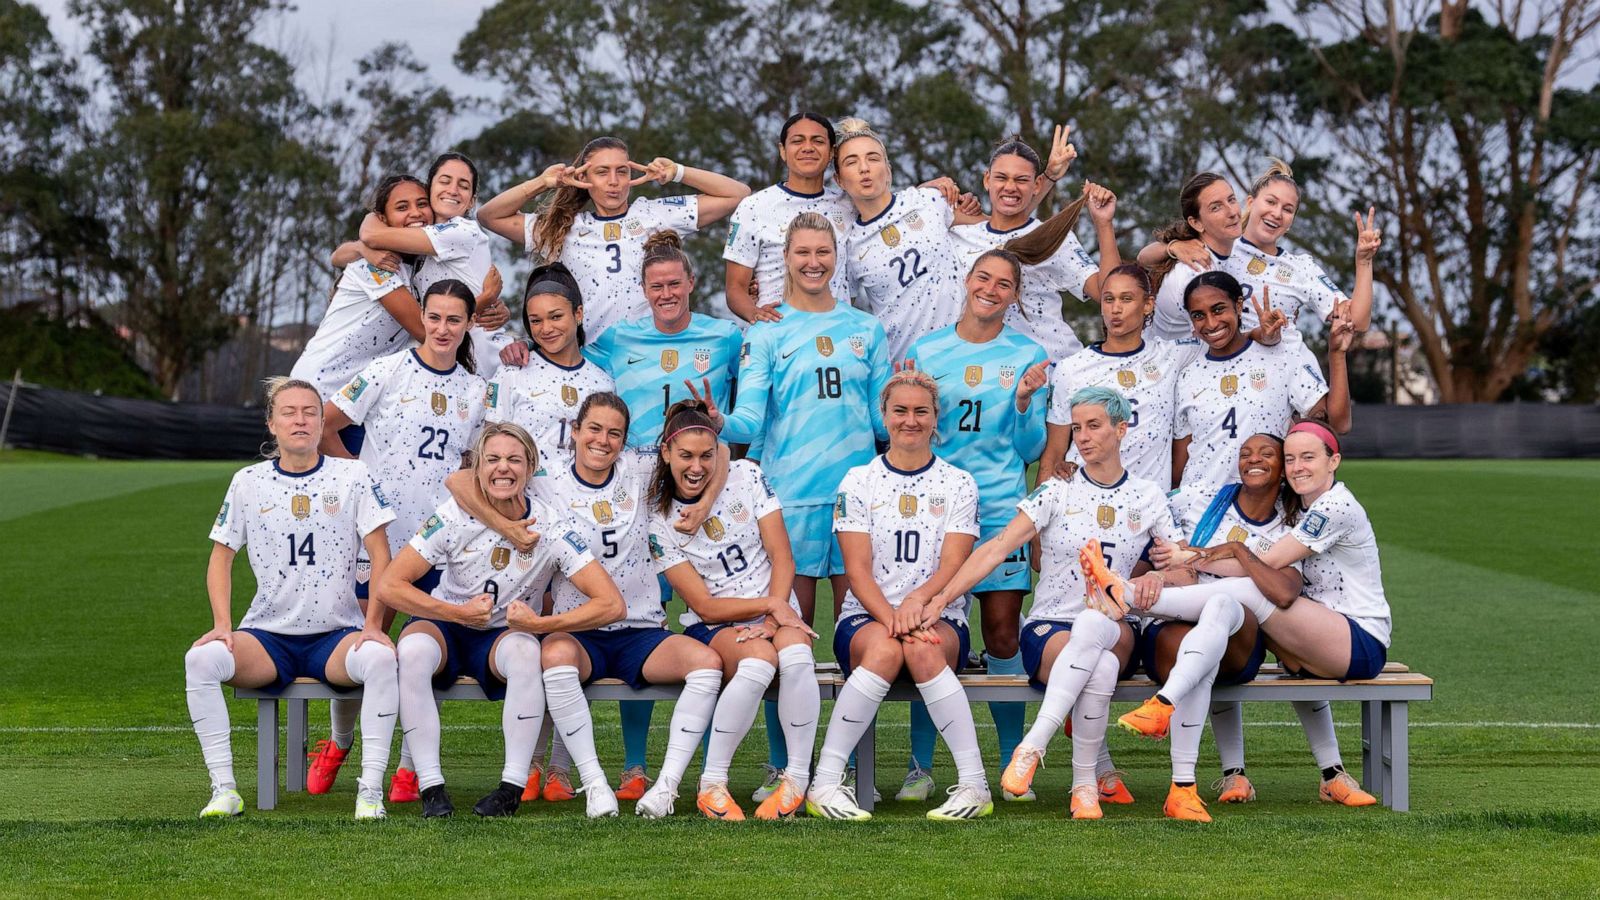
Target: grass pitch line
[601, 729]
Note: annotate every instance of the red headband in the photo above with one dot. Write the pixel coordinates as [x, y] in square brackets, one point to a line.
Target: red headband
[1319, 431]
[668, 439]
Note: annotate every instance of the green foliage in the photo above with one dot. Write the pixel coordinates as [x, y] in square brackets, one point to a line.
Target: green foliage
[54, 353]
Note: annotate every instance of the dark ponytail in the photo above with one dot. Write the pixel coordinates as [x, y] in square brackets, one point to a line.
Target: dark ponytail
[1181, 230]
[682, 415]
[557, 279]
[452, 287]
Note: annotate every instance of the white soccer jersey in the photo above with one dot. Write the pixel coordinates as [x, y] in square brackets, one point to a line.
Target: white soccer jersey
[1037, 312]
[904, 267]
[355, 329]
[1124, 516]
[476, 559]
[461, 251]
[419, 421]
[1343, 572]
[907, 515]
[543, 397]
[304, 531]
[613, 519]
[760, 224]
[1221, 402]
[1148, 377]
[606, 255]
[727, 550]
[1295, 282]
[1189, 507]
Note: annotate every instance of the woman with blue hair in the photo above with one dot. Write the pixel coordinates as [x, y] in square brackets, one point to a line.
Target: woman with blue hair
[1100, 518]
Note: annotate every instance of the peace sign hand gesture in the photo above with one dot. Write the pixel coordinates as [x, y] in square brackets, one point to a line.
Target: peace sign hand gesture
[1368, 237]
[660, 170]
[563, 175]
[712, 413]
[1061, 154]
[1272, 321]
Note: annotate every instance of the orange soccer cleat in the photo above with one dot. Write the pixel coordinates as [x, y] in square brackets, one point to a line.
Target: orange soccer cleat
[715, 802]
[325, 759]
[1184, 804]
[1106, 593]
[531, 791]
[1150, 719]
[1085, 802]
[1017, 779]
[403, 787]
[558, 786]
[1344, 790]
[1113, 790]
[783, 803]
[633, 783]
[1234, 788]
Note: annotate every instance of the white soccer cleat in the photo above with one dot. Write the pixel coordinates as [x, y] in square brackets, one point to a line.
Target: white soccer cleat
[966, 801]
[657, 803]
[769, 784]
[600, 799]
[369, 804]
[918, 785]
[225, 802]
[1027, 796]
[834, 802]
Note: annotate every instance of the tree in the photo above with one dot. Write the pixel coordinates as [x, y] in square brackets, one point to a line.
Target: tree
[1461, 124]
[193, 164]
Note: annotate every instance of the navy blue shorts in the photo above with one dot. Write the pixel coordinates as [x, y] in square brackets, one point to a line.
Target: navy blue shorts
[703, 632]
[620, 653]
[304, 655]
[1258, 653]
[1367, 654]
[845, 632]
[425, 584]
[354, 437]
[467, 652]
[1036, 634]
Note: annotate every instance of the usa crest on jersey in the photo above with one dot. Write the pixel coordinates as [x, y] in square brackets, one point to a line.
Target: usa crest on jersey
[858, 345]
[702, 360]
[1008, 376]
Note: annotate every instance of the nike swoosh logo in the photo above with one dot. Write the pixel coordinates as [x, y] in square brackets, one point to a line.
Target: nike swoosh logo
[267, 509]
[1073, 512]
[1079, 668]
[856, 721]
[686, 730]
[635, 360]
[1189, 724]
[1218, 712]
[199, 720]
[522, 718]
[408, 730]
[1320, 708]
[799, 724]
[1196, 394]
[941, 377]
[723, 730]
[385, 715]
[533, 394]
[789, 354]
[1092, 718]
[1007, 573]
[719, 813]
[574, 731]
[407, 399]
[1191, 652]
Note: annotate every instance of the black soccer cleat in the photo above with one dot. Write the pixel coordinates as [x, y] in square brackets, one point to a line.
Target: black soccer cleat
[502, 801]
[436, 803]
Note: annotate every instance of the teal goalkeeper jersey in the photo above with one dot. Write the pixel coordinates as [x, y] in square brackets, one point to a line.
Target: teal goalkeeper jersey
[980, 429]
[649, 367]
[809, 386]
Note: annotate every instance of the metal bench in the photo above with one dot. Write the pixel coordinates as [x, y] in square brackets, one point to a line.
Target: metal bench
[1385, 743]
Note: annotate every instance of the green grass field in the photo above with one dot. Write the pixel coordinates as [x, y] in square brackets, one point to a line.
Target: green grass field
[1488, 565]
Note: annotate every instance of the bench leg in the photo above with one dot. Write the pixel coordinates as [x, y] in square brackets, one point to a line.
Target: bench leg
[1396, 756]
[295, 764]
[1371, 745]
[866, 766]
[266, 754]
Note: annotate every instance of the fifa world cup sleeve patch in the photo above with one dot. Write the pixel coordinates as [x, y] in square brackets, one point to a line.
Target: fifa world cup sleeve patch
[575, 542]
[656, 553]
[353, 390]
[767, 486]
[377, 494]
[431, 526]
[839, 505]
[491, 395]
[222, 514]
[1313, 524]
[733, 233]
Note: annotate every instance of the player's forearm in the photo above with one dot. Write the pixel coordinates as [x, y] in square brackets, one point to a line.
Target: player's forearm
[598, 611]
[219, 589]
[1057, 439]
[1153, 254]
[720, 610]
[345, 254]
[983, 560]
[714, 185]
[463, 487]
[737, 287]
[1339, 414]
[1361, 297]
[1281, 586]
[377, 544]
[510, 201]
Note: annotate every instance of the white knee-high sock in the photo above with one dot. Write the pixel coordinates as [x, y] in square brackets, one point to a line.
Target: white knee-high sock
[952, 715]
[541, 744]
[342, 715]
[1202, 648]
[205, 668]
[406, 762]
[1089, 717]
[1092, 635]
[1103, 764]
[1245, 593]
[375, 667]
[690, 717]
[420, 656]
[858, 703]
[736, 712]
[1227, 728]
[1188, 724]
[560, 756]
[799, 707]
[1316, 717]
[570, 709]
[516, 655]
[1182, 603]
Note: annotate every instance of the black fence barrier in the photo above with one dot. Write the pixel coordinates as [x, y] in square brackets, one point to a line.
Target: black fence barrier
[119, 428]
[68, 422]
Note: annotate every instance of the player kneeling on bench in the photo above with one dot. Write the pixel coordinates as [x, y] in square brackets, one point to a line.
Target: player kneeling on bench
[478, 621]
